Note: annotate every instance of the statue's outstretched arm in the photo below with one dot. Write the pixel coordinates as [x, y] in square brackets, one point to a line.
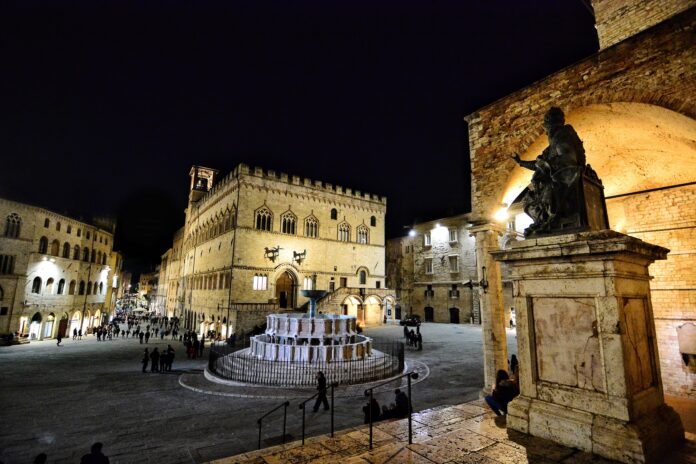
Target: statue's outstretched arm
[531, 165]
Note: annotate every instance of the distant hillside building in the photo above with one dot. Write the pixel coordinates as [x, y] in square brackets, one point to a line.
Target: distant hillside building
[55, 272]
[254, 239]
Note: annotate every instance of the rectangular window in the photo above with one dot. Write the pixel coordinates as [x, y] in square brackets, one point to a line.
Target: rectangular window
[260, 282]
[307, 283]
[4, 310]
[332, 286]
[453, 235]
[428, 265]
[7, 264]
[378, 284]
[426, 239]
[429, 292]
[454, 293]
[454, 263]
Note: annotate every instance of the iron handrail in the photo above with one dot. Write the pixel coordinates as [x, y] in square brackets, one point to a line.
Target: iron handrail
[303, 408]
[285, 417]
[369, 392]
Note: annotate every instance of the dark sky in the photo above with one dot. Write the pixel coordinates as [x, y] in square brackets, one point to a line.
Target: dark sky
[105, 107]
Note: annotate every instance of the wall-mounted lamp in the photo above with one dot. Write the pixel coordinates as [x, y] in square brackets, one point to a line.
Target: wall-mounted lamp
[483, 282]
[502, 214]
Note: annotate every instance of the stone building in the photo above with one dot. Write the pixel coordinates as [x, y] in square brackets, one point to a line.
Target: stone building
[54, 272]
[632, 103]
[254, 239]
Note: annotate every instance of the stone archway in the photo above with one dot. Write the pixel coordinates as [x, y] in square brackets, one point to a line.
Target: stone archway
[352, 306]
[372, 310]
[285, 290]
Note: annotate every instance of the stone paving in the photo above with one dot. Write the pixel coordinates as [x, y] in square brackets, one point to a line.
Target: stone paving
[60, 400]
[468, 433]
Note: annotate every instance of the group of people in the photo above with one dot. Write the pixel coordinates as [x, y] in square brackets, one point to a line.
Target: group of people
[397, 410]
[159, 362]
[506, 388]
[95, 456]
[194, 347]
[414, 339]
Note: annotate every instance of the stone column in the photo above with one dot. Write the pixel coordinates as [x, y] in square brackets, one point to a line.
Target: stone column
[589, 365]
[491, 302]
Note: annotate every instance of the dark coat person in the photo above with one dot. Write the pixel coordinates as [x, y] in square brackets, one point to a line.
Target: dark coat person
[146, 359]
[401, 402]
[141, 335]
[321, 398]
[376, 411]
[95, 456]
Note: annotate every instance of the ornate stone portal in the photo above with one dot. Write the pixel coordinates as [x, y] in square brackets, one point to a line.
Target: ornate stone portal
[589, 366]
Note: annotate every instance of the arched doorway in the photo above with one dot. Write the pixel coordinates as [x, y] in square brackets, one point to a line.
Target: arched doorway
[48, 326]
[75, 322]
[351, 306]
[372, 313]
[398, 312]
[285, 290]
[454, 315]
[429, 314]
[35, 327]
[97, 318]
[63, 325]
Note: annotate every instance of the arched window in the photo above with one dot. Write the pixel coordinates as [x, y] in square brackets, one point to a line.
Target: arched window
[98, 257]
[373, 221]
[66, 250]
[288, 223]
[43, 245]
[58, 226]
[87, 235]
[362, 234]
[69, 229]
[363, 277]
[61, 287]
[82, 287]
[76, 252]
[101, 287]
[334, 213]
[103, 261]
[94, 256]
[13, 225]
[94, 289]
[71, 288]
[79, 232]
[311, 227]
[85, 254]
[264, 219]
[36, 285]
[55, 247]
[47, 222]
[89, 288]
[344, 232]
[49, 286]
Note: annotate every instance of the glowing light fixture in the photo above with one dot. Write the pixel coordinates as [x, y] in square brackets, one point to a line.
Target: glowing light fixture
[411, 233]
[502, 214]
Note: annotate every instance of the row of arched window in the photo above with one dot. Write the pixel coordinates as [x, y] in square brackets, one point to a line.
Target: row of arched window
[77, 253]
[218, 225]
[288, 225]
[97, 237]
[91, 289]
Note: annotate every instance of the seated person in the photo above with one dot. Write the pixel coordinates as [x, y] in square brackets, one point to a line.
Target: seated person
[505, 390]
[401, 408]
[374, 406]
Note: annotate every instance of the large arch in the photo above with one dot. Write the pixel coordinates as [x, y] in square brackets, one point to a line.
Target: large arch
[372, 310]
[352, 306]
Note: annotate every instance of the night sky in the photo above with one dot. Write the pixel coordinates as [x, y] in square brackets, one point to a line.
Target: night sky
[105, 107]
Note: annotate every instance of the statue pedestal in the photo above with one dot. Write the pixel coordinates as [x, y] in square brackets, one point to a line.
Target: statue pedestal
[589, 367]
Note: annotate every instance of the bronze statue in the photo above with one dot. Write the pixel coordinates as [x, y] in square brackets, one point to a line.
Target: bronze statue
[553, 198]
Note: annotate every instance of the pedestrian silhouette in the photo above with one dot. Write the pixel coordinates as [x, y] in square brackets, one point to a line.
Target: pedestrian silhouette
[95, 455]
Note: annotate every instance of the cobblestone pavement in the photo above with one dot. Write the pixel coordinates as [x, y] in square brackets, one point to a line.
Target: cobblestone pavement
[60, 400]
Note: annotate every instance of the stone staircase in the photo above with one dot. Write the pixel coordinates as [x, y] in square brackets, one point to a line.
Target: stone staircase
[464, 433]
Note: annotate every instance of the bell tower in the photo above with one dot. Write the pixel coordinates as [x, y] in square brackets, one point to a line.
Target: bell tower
[202, 180]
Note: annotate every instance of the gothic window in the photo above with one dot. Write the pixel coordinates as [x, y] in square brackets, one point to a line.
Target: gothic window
[373, 221]
[362, 233]
[69, 229]
[363, 277]
[260, 282]
[66, 250]
[47, 222]
[344, 232]
[49, 286]
[288, 223]
[85, 254]
[76, 252]
[12, 225]
[311, 227]
[82, 287]
[264, 219]
[43, 245]
[58, 226]
[55, 248]
[89, 288]
[36, 285]
[7, 264]
[334, 213]
[94, 256]
[61, 287]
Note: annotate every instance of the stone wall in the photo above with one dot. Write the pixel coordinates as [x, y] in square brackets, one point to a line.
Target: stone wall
[617, 20]
[666, 217]
[657, 66]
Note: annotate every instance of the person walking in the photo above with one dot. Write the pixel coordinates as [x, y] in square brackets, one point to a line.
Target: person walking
[141, 335]
[147, 336]
[154, 358]
[321, 398]
[170, 358]
[59, 337]
[146, 359]
[74, 334]
[201, 347]
[95, 455]
[419, 341]
[513, 363]
[163, 361]
[79, 334]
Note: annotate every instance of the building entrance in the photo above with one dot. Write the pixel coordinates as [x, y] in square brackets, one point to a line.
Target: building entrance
[285, 291]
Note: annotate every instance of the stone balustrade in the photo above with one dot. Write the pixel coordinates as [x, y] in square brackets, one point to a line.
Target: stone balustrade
[267, 347]
[298, 325]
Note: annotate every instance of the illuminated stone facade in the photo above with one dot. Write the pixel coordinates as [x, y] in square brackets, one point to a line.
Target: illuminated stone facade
[275, 232]
[632, 105]
[54, 272]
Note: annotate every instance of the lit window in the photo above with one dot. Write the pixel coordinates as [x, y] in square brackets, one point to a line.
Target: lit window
[426, 239]
[61, 287]
[264, 219]
[428, 265]
[453, 235]
[362, 234]
[344, 232]
[36, 285]
[454, 263]
[288, 223]
[307, 283]
[260, 282]
[311, 227]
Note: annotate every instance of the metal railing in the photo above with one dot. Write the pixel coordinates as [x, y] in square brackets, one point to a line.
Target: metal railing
[242, 367]
[303, 407]
[369, 393]
[285, 419]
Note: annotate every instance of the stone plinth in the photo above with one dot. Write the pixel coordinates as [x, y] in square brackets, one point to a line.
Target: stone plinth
[589, 366]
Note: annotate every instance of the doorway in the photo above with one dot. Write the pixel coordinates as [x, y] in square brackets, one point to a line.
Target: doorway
[429, 314]
[285, 291]
[454, 315]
